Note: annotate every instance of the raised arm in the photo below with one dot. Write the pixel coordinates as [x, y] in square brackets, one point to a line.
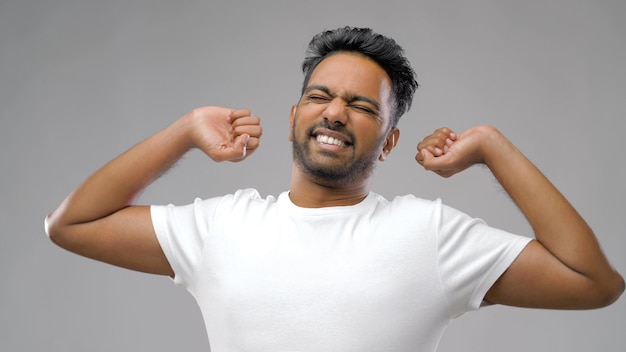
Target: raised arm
[98, 220]
[565, 267]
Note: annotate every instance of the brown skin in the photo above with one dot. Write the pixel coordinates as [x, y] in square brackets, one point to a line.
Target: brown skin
[98, 219]
[352, 93]
[563, 268]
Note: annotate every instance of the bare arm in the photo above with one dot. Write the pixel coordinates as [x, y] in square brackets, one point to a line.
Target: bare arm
[98, 220]
[565, 267]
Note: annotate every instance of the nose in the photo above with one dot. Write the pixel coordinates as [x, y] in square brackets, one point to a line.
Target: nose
[336, 112]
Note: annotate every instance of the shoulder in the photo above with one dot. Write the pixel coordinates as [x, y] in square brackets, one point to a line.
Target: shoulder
[242, 201]
[248, 196]
[407, 209]
[239, 197]
[408, 202]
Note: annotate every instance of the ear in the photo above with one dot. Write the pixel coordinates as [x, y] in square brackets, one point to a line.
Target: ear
[392, 140]
[292, 116]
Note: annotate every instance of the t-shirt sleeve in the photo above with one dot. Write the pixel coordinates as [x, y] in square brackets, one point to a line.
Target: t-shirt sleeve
[182, 232]
[472, 256]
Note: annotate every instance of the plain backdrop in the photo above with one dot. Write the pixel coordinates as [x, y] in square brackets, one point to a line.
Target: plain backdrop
[82, 81]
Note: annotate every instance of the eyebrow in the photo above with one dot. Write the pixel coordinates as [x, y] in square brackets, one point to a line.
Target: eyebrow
[349, 98]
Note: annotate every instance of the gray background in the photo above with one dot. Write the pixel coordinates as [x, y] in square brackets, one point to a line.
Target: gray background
[82, 81]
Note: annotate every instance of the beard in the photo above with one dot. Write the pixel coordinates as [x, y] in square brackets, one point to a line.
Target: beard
[323, 169]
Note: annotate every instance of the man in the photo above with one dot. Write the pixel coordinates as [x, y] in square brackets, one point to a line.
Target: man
[330, 265]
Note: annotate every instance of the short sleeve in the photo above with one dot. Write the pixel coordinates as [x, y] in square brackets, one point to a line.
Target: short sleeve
[182, 232]
[472, 256]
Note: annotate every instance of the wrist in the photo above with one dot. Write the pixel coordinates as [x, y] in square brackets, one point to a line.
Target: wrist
[494, 146]
[181, 133]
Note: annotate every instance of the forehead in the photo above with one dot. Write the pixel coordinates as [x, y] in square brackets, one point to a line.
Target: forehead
[352, 73]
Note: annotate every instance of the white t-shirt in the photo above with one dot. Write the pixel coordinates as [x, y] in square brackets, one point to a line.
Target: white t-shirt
[376, 276]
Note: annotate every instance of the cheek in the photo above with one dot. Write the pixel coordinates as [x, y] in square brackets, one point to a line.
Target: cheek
[295, 128]
[299, 121]
[371, 133]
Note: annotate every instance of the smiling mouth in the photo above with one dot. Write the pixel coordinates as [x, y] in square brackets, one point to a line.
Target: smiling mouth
[331, 140]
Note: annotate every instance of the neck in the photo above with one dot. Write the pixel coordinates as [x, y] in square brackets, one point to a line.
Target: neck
[307, 192]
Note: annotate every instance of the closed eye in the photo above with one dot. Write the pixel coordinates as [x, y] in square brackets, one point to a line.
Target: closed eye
[363, 109]
[318, 98]
[319, 94]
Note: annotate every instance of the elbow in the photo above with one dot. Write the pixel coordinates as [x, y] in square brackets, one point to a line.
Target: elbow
[54, 231]
[612, 291]
[620, 285]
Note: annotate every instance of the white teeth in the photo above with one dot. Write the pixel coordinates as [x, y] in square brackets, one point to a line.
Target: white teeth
[330, 140]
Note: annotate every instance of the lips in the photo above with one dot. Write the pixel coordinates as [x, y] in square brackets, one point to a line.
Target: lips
[332, 138]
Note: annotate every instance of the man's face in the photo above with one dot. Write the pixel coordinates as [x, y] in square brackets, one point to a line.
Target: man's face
[341, 122]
